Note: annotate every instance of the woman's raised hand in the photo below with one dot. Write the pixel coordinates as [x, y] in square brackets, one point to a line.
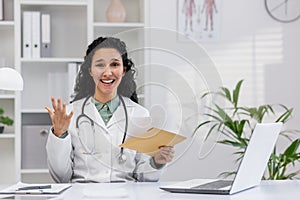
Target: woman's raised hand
[60, 119]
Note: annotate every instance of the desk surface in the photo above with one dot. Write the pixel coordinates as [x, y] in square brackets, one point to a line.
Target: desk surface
[268, 190]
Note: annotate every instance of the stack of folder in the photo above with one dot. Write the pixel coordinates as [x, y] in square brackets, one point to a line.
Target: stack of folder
[36, 34]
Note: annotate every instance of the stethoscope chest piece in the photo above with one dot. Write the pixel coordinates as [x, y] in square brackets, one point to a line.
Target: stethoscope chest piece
[122, 158]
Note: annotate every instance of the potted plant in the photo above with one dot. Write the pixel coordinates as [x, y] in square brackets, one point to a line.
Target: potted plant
[4, 120]
[236, 124]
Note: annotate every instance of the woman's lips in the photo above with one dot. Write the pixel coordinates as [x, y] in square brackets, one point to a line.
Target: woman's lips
[110, 81]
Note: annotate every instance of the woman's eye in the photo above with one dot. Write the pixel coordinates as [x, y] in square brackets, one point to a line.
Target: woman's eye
[115, 64]
[100, 65]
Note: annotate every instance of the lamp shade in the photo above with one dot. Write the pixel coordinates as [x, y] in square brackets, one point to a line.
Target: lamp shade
[10, 79]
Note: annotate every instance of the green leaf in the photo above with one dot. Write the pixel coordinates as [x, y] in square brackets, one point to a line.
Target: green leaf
[270, 108]
[285, 116]
[210, 130]
[291, 150]
[236, 93]
[293, 174]
[240, 127]
[226, 93]
[200, 125]
[6, 120]
[233, 143]
[215, 117]
[227, 174]
[222, 113]
[206, 94]
[239, 153]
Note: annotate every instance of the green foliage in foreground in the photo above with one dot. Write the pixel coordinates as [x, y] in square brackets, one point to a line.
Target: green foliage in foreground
[236, 123]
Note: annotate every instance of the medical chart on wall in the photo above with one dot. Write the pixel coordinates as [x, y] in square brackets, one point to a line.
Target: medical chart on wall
[199, 19]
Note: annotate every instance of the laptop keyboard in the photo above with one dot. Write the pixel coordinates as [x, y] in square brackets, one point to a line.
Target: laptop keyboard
[214, 185]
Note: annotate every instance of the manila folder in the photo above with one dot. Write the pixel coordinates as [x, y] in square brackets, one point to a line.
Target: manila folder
[150, 142]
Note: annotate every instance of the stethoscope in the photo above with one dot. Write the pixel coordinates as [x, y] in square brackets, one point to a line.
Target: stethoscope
[122, 157]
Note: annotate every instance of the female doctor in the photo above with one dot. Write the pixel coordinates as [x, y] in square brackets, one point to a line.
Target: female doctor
[83, 145]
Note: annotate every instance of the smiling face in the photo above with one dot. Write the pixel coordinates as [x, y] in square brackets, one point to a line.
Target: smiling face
[107, 70]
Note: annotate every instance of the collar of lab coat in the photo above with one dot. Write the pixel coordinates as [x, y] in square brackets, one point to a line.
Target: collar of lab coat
[118, 116]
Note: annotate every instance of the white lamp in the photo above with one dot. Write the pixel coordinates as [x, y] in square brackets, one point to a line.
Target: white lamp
[10, 79]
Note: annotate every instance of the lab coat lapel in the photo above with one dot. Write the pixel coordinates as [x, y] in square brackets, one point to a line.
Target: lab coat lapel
[91, 111]
[119, 115]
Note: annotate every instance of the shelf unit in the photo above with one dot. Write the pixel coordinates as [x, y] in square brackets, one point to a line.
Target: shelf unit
[9, 149]
[74, 24]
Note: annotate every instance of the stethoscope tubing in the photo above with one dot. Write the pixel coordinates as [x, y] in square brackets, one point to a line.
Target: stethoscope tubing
[126, 123]
[122, 157]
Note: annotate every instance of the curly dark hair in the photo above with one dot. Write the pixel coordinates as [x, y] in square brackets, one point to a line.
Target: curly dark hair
[85, 85]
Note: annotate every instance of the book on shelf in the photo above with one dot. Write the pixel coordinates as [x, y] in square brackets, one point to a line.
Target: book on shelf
[26, 43]
[36, 34]
[46, 36]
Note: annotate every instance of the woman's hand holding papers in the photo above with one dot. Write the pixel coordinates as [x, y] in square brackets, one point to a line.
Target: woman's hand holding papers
[165, 155]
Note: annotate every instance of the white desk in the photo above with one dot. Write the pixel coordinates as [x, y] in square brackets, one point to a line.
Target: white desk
[268, 190]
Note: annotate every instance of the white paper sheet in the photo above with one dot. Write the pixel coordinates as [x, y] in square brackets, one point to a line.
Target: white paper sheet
[55, 189]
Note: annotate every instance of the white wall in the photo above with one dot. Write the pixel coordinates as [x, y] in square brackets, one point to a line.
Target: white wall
[252, 46]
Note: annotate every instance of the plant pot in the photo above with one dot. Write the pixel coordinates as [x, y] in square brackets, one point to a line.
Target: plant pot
[1, 129]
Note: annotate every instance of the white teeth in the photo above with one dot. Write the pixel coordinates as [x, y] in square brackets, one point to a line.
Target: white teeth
[107, 81]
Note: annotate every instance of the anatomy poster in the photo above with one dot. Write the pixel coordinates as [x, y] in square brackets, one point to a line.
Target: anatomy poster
[199, 19]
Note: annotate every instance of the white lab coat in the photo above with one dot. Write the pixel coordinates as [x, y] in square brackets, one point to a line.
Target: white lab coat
[70, 160]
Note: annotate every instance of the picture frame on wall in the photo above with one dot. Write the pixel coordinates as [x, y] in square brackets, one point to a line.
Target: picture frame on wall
[199, 19]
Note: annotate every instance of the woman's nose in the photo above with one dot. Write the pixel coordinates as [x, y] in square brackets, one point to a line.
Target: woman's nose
[107, 71]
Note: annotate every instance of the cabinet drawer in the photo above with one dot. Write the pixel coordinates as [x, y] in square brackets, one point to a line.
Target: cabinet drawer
[33, 148]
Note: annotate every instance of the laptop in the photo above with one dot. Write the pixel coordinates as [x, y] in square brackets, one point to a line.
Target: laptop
[250, 170]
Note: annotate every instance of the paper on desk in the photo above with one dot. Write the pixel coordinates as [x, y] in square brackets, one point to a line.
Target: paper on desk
[150, 141]
[55, 189]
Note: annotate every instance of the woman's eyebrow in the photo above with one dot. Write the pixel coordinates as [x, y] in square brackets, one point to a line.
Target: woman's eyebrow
[115, 59]
[99, 60]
